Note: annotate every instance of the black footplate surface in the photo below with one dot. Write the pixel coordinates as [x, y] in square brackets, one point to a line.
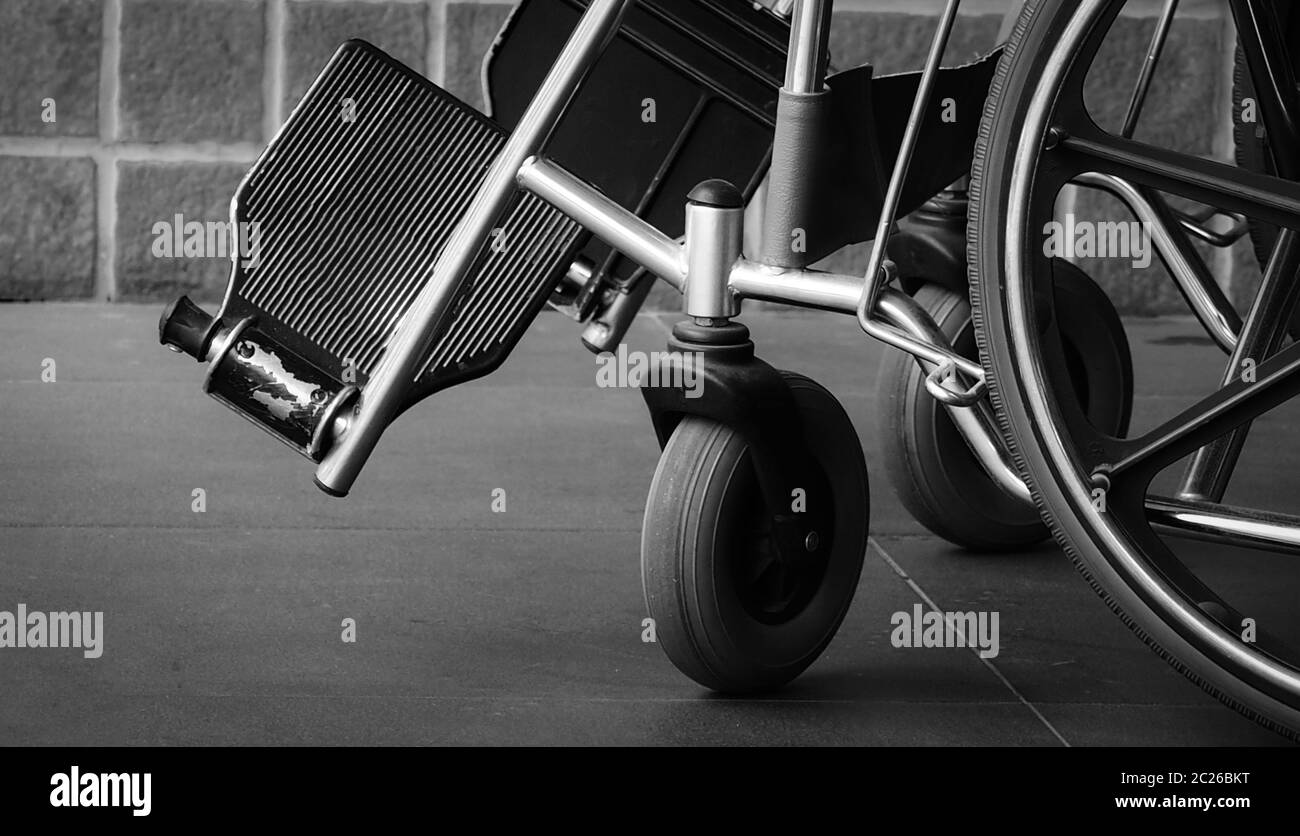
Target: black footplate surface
[344, 217]
[354, 200]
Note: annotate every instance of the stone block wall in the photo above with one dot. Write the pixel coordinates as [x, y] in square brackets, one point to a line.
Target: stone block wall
[116, 115]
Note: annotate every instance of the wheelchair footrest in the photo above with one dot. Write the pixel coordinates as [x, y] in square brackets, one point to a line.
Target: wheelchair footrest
[347, 211]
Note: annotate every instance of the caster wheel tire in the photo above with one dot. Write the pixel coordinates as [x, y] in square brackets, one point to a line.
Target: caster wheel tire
[728, 611]
[934, 474]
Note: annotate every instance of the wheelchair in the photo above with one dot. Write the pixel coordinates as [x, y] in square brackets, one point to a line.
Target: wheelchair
[408, 240]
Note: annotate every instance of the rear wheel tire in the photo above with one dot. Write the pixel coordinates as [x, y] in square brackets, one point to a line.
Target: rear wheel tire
[1015, 180]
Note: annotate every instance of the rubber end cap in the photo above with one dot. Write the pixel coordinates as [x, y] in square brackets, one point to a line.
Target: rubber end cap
[729, 334]
[718, 193]
[186, 327]
[327, 489]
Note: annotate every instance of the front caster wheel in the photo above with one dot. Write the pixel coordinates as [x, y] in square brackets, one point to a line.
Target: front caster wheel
[728, 611]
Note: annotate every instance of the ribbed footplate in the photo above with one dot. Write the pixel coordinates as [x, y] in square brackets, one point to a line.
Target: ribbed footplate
[352, 203]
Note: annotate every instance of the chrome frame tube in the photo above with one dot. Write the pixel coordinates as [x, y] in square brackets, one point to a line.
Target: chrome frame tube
[809, 25]
[877, 275]
[621, 229]
[1216, 315]
[1245, 527]
[579, 274]
[894, 193]
[664, 257]
[1211, 467]
[388, 384]
[1202, 229]
[971, 422]
[801, 288]
[834, 292]
[1148, 71]
[713, 241]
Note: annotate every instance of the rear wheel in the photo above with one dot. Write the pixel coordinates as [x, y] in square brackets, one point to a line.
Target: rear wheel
[1133, 544]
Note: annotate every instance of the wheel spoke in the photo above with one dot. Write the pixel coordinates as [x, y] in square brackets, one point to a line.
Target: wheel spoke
[1211, 467]
[1149, 67]
[1245, 527]
[1226, 187]
[1170, 239]
[1276, 380]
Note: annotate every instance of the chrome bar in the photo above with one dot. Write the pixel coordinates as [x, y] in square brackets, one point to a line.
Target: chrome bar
[833, 292]
[801, 288]
[894, 193]
[1245, 527]
[971, 423]
[384, 393]
[1202, 230]
[664, 257]
[1148, 72]
[714, 233]
[1207, 474]
[605, 219]
[579, 274]
[805, 64]
[1217, 316]
[877, 275]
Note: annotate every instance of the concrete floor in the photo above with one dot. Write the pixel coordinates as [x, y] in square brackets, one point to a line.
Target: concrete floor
[476, 627]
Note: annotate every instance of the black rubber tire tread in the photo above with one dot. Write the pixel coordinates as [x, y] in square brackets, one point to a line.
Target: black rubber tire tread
[1038, 24]
[685, 581]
